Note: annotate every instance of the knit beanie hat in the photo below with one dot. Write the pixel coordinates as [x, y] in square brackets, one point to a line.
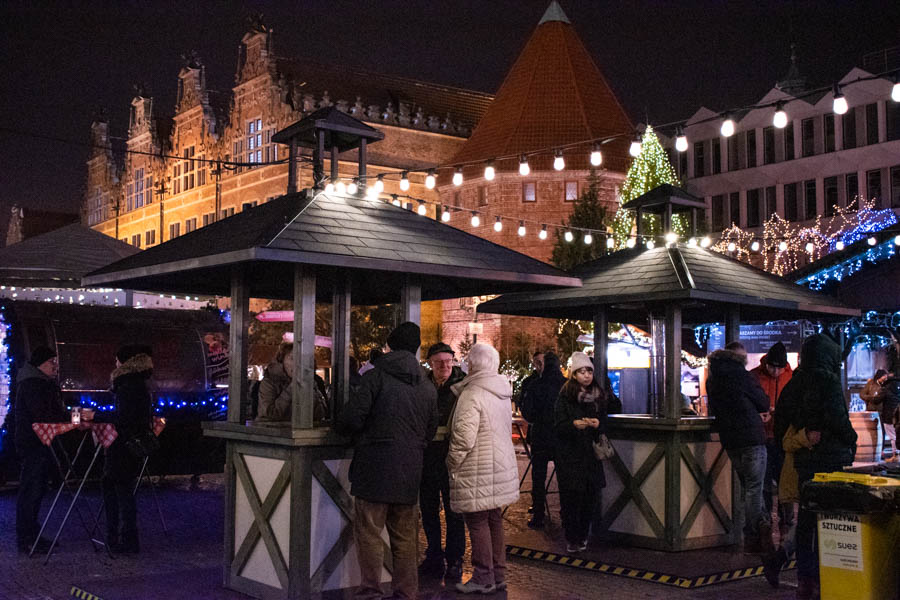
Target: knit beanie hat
[40, 355]
[777, 356]
[580, 360]
[131, 350]
[406, 336]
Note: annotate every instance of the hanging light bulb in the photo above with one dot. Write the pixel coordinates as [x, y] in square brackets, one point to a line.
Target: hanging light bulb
[692, 243]
[521, 231]
[340, 187]
[476, 220]
[681, 143]
[352, 188]
[588, 239]
[731, 247]
[596, 156]
[810, 247]
[542, 234]
[705, 242]
[524, 169]
[329, 188]
[839, 104]
[371, 193]
[727, 126]
[498, 225]
[671, 237]
[422, 210]
[559, 163]
[779, 119]
[897, 240]
[458, 177]
[782, 246]
[650, 245]
[635, 148]
[445, 214]
[610, 242]
[568, 236]
[489, 171]
[895, 91]
[404, 181]
[754, 246]
[379, 184]
[395, 200]
[429, 179]
[630, 242]
[872, 241]
[839, 245]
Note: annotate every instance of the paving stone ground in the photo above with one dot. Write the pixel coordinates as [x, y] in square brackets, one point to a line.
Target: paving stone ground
[187, 563]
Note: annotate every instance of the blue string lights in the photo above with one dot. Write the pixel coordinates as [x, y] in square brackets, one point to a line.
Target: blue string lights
[5, 363]
[871, 255]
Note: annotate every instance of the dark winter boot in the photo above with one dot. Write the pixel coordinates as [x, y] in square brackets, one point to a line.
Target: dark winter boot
[772, 565]
[807, 588]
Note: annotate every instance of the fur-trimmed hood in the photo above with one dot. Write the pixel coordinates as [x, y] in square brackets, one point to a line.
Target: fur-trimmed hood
[724, 354]
[137, 364]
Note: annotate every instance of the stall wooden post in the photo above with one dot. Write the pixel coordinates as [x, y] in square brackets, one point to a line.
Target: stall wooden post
[292, 166]
[732, 323]
[411, 301]
[340, 345]
[238, 344]
[601, 338]
[303, 395]
[672, 399]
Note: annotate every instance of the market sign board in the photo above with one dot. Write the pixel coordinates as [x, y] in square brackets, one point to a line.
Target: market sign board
[758, 338]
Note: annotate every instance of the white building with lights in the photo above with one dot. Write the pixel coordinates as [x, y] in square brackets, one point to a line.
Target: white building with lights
[818, 160]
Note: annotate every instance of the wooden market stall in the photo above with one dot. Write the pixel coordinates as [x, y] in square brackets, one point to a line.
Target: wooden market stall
[288, 512]
[670, 485]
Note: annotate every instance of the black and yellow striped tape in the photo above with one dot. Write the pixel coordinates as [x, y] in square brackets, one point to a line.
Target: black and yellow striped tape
[650, 576]
[77, 592]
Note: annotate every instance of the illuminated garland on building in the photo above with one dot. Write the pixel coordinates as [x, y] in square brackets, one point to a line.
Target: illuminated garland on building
[784, 245]
[874, 254]
[4, 366]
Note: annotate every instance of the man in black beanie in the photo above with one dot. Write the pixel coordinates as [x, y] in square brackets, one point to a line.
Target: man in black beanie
[391, 418]
[37, 401]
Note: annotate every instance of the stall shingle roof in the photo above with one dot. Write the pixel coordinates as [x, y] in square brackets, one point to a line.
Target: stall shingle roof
[60, 258]
[333, 233]
[629, 281]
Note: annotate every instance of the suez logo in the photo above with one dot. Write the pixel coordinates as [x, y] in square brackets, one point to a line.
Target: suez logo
[832, 544]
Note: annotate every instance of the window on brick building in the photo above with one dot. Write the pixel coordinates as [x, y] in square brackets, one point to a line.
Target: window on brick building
[187, 169]
[809, 198]
[808, 137]
[893, 120]
[571, 194]
[716, 156]
[176, 179]
[754, 207]
[136, 240]
[734, 159]
[768, 145]
[150, 237]
[529, 191]
[789, 141]
[208, 218]
[771, 202]
[734, 209]
[254, 141]
[174, 230]
[848, 124]
[135, 190]
[190, 224]
[830, 188]
[828, 129]
[851, 188]
[751, 148]
[873, 186]
[872, 123]
[248, 205]
[791, 205]
[699, 159]
[718, 212]
[227, 212]
[482, 196]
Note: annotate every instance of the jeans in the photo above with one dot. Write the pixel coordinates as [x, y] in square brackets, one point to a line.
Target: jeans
[539, 459]
[488, 546]
[436, 486]
[750, 464]
[37, 465]
[369, 519]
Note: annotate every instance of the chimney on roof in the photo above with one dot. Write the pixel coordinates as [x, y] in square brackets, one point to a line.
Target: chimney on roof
[793, 82]
[554, 12]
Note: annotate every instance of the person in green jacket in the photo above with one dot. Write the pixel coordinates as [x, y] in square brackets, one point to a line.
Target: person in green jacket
[814, 400]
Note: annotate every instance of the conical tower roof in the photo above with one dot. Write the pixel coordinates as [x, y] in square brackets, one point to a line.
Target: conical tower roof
[553, 95]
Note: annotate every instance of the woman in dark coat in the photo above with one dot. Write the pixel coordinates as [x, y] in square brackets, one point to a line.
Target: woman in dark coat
[580, 420]
[537, 404]
[132, 417]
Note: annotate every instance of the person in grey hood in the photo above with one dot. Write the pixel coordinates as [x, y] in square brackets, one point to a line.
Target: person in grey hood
[37, 401]
[391, 419]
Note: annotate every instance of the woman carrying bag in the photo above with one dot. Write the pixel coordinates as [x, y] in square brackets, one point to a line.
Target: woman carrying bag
[580, 423]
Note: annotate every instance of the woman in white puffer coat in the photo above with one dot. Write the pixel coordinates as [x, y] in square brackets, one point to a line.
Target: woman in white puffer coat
[484, 476]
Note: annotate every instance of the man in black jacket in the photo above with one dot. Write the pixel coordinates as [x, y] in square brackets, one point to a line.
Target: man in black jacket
[436, 481]
[391, 419]
[736, 401]
[37, 401]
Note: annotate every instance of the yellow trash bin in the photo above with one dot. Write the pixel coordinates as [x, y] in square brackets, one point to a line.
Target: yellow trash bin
[859, 533]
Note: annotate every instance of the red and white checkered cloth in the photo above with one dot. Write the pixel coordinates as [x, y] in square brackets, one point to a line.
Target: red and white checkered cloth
[104, 433]
[47, 431]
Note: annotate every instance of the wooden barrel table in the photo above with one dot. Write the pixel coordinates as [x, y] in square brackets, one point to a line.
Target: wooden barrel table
[870, 437]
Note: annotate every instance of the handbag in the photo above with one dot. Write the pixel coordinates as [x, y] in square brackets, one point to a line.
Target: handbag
[602, 448]
[142, 444]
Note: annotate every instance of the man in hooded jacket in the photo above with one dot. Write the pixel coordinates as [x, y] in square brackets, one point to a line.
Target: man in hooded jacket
[814, 400]
[391, 419]
[37, 401]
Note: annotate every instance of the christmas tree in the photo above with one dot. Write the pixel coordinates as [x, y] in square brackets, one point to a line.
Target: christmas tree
[650, 169]
[589, 214]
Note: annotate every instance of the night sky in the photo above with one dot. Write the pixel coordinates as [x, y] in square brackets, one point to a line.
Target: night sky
[64, 60]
